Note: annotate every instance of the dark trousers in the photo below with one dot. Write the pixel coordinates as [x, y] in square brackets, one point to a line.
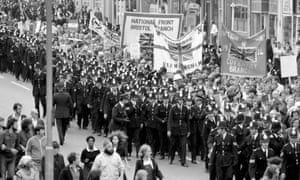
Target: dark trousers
[141, 138]
[83, 114]
[241, 169]
[96, 118]
[194, 140]
[132, 133]
[62, 124]
[163, 142]
[152, 139]
[178, 142]
[17, 70]
[7, 167]
[37, 99]
[224, 172]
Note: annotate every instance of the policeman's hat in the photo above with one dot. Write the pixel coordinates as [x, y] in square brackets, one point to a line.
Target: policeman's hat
[264, 138]
[189, 97]
[180, 95]
[172, 89]
[253, 125]
[293, 133]
[165, 95]
[151, 96]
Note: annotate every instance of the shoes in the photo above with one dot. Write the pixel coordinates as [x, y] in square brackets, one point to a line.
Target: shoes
[184, 165]
[162, 158]
[194, 162]
[94, 132]
[171, 162]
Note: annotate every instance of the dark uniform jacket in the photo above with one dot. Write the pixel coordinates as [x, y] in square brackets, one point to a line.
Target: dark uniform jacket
[119, 117]
[96, 98]
[276, 143]
[39, 84]
[163, 111]
[151, 115]
[178, 122]
[81, 92]
[134, 114]
[63, 105]
[291, 160]
[259, 162]
[224, 152]
[110, 100]
[197, 119]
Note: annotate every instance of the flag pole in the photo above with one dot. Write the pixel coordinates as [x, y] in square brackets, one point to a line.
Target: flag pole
[49, 149]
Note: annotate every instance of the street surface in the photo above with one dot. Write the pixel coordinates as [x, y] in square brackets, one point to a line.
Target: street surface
[17, 91]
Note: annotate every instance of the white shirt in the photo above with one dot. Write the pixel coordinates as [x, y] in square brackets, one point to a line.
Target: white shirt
[214, 30]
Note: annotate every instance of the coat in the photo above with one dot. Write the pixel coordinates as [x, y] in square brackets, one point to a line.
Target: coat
[119, 118]
[156, 174]
[67, 175]
[63, 105]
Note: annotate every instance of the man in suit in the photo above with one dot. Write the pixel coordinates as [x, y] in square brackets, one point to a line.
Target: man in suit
[39, 89]
[119, 115]
[63, 106]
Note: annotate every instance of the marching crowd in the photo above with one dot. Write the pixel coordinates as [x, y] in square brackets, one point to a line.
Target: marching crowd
[247, 128]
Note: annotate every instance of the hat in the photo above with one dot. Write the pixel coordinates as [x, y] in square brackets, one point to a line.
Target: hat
[172, 89]
[165, 95]
[151, 95]
[264, 138]
[253, 125]
[293, 133]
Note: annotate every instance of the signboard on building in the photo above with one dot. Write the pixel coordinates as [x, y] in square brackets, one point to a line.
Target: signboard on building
[136, 24]
[287, 7]
[298, 6]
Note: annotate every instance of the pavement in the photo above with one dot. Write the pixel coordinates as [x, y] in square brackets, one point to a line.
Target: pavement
[12, 91]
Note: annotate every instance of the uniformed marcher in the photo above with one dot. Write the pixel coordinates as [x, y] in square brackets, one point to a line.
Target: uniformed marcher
[224, 153]
[119, 118]
[178, 130]
[250, 143]
[259, 158]
[82, 91]
[96, 99]
[151, 123]
[290, 169]
[163, 110]
[39, 89]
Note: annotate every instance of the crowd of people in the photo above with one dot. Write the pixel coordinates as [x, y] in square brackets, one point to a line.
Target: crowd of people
[247, 128]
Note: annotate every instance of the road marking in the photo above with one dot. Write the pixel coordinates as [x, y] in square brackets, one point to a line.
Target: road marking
[1, 77]
[20, 85]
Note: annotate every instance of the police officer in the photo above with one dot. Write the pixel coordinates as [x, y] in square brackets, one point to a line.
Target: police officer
[151, 123]
[250, 143]
[178, 129]
[110, 100]
[276, 138]
[291, 157]
[39, 89]
[259, 158]
[163, 110]
[197, 115]
[96, 98]
[224, 153]
[82, 91]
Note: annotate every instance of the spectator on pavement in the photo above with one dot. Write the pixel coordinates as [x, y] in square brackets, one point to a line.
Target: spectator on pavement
[147, 163]
[108, 163]
[17, 114]
[27, 170]
[9, 145]
[73, 171]
[36, 146]
[88, 155]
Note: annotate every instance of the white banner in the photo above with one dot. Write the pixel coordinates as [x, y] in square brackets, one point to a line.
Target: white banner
[288, 65]
[136, 24]
[184, 54]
